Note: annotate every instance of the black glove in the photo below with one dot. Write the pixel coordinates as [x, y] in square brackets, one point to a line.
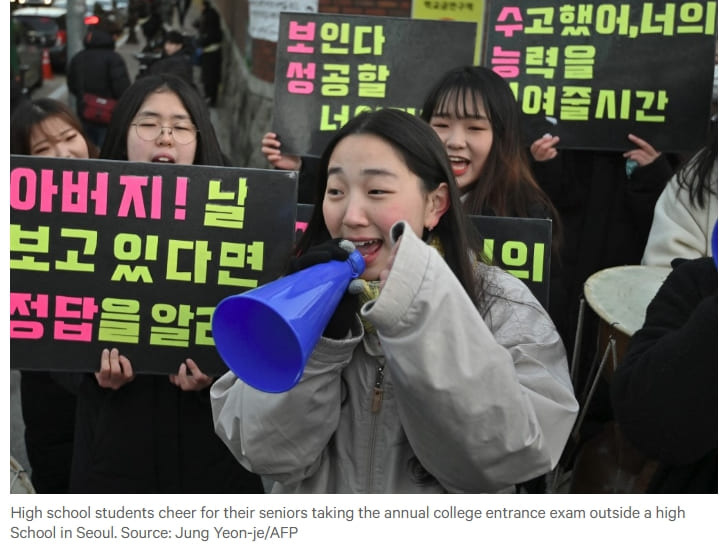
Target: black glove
[321, 253]
[342, 319]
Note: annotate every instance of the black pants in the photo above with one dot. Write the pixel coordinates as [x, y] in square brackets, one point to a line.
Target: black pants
[182, 6]
[49, 414]
[211, 74]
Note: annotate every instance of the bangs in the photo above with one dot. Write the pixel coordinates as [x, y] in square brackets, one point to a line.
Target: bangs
[461, 102]
[42, 126]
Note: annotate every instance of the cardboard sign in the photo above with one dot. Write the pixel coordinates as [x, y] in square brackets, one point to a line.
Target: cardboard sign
[136, 256]
[594, 72]
[332, 67]
[521, 246]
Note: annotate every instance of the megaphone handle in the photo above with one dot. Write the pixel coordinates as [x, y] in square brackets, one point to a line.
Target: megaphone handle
[357, 263]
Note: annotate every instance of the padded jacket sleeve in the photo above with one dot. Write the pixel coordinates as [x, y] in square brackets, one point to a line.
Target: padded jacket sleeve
[484, 405]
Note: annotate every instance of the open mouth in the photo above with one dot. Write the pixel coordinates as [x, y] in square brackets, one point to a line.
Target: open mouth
[459, 165]
[368, 248]
[162, 159]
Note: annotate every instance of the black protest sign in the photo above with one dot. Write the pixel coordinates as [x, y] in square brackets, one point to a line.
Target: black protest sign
[331, 67]
[304, 215]
[593, 72]
[522, 246]
[136, 256]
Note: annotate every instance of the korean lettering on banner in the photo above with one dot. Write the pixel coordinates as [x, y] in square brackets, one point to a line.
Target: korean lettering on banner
[332, 67]
[521, 246]
[136, 256]
[593, 72]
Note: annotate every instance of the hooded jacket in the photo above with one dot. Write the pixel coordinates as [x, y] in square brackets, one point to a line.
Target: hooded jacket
[443, 397]
[98, 69]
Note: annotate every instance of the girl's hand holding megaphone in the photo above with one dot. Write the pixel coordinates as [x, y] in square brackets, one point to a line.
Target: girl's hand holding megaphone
[339, 250]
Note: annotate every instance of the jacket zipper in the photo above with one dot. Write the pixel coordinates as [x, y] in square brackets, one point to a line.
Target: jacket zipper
[377, 402]
[378, 390]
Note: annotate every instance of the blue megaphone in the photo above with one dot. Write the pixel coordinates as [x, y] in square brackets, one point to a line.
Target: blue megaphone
[266, 335]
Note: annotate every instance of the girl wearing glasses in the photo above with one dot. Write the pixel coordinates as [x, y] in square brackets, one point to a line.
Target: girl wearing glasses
[160, 120]
[147, 433]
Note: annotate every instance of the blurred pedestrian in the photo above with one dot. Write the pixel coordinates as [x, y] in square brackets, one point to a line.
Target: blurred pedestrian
[209, 40]
[135, 12]
[153, 28]
[18, 92]
[182, 7]
[167, 11]
[176, 58]
[96, 71]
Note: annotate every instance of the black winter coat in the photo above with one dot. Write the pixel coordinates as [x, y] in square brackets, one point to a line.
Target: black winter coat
[98, 69]
[210, 30]
[179, 64]
[664, 393]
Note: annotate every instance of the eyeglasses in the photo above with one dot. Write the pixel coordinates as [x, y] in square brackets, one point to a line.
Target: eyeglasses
[151, 130]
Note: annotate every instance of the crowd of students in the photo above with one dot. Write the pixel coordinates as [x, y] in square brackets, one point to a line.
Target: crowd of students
[445, 374]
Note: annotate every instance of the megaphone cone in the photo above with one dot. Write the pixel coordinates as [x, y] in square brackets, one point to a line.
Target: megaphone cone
[266, 335]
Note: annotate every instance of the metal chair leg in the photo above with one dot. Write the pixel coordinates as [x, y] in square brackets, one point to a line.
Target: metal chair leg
[611, 346]
[577, 342]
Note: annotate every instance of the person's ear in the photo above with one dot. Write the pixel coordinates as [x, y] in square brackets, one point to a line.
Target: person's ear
[437, 203]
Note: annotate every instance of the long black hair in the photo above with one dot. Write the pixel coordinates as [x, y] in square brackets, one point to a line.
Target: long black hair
[424, 155]
[696, 176]
[506, 185]
[208, 151]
